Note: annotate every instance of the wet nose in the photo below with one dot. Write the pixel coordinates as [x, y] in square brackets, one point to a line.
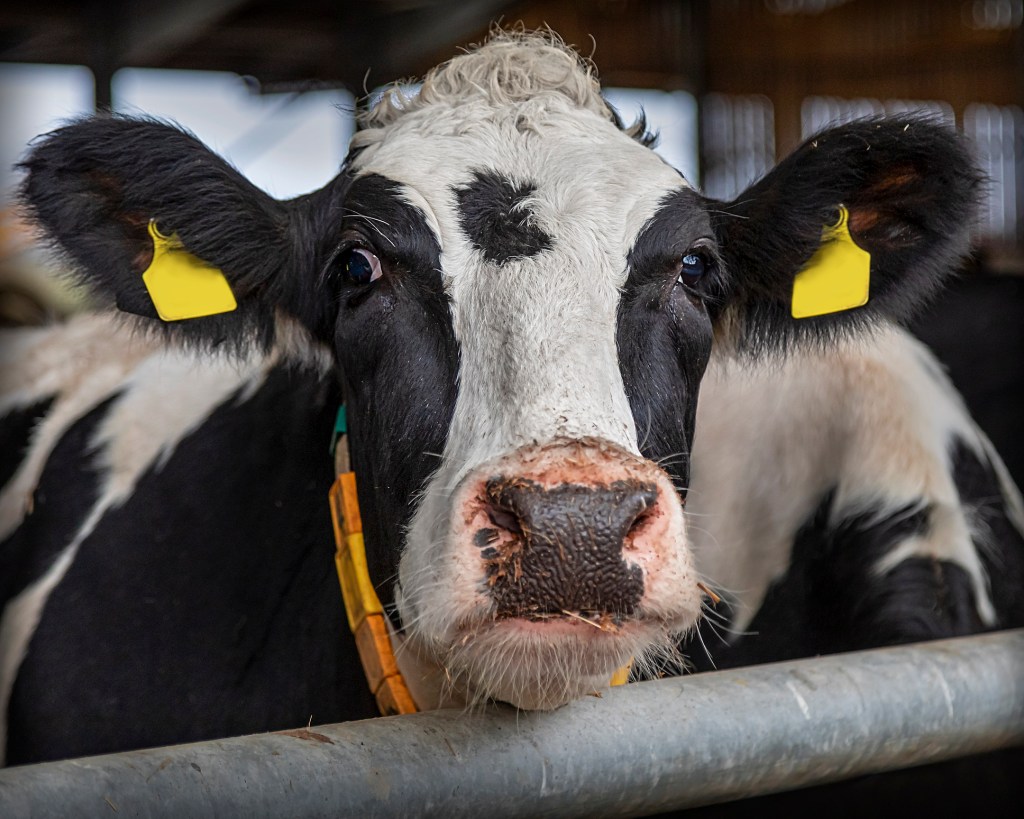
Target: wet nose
[561, 548]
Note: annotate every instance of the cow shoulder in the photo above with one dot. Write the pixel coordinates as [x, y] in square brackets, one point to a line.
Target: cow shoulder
[183, 505]
[848, 483]
[51, 379]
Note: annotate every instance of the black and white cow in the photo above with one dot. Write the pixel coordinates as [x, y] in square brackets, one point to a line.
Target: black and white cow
[516, 300]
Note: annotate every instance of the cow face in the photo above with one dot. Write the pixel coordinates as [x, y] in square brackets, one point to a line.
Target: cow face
[541, 525]
[521, 299]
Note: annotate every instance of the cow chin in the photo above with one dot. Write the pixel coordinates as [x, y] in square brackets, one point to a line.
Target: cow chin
[542, 662]
[541, 665]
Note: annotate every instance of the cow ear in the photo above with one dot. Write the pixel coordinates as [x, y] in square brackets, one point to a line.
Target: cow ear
[105, 189]
[906, 188]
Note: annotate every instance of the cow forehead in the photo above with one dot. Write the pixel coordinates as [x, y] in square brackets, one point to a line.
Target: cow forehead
[573, 175]
[535, 316]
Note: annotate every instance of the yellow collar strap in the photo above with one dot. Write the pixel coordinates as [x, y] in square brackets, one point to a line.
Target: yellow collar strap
[365, 613]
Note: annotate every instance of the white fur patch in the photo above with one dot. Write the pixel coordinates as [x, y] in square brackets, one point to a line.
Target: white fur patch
[80, 364]
[875, 419]
[512, 68]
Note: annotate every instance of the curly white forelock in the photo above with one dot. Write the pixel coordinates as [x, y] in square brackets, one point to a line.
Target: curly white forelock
[510, 67]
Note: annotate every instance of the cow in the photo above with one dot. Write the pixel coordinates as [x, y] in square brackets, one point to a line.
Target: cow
[517, 302]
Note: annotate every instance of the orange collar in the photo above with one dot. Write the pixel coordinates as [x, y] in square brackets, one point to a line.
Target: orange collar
[366, 617]
[365, 613]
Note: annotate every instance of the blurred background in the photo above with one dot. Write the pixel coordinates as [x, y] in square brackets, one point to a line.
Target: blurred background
[732, 86]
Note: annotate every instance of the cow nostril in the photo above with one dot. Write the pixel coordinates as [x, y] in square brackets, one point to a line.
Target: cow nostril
[504, 519]
[635, 527]
[510, 502]
[644, 501]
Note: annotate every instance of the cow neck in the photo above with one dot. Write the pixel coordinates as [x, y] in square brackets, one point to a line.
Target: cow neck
[377, 642]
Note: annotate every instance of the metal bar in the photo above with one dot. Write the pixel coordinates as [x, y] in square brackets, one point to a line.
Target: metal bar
[639, 749]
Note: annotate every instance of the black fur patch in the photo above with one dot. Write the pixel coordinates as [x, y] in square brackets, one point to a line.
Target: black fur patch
[16, 429]
[399, 360]
[987, 310]
[1002, 547]
[986, 785]
[95, 184]
[664, 333]
[496, 220]
[66, 491]
[911, 188]
[208, 604]
[831, 599]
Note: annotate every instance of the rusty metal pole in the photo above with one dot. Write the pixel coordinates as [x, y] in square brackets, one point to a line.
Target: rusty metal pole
[639, 749]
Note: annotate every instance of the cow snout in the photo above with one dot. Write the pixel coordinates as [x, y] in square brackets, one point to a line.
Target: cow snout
[561, 548]
[569, 529]
[560, 561]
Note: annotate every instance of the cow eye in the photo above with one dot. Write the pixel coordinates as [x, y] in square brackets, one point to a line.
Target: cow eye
[693, 267]
[361, 266]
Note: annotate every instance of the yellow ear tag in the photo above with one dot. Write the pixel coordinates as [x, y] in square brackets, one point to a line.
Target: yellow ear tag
[837, 277]
[183, 286]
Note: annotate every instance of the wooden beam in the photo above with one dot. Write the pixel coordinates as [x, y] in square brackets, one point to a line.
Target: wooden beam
[397, 42]
[154, 29]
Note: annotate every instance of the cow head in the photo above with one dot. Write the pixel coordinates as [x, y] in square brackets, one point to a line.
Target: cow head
[521, 298]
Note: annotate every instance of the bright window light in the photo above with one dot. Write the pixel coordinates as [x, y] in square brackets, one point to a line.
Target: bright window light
[670, 114]
[35, 99]
[287, 144]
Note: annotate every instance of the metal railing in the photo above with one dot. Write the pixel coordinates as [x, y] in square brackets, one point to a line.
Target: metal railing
[636, 750]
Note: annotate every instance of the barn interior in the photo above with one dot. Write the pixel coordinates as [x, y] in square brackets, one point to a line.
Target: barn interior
[762, 76]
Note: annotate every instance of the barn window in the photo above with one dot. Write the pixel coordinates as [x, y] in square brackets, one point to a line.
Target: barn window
[672, 115]
[287, 143]
[817, 113]
[994, 15]
[737, 140]
[35, 99]
[998, 132]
